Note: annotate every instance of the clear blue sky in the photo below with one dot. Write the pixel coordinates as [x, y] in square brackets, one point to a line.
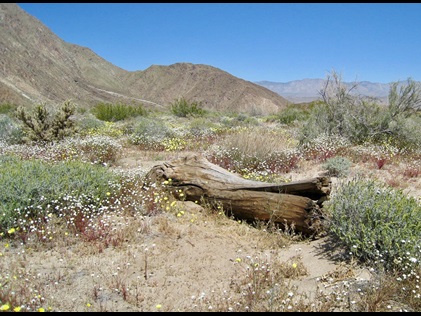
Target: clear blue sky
[278, 42]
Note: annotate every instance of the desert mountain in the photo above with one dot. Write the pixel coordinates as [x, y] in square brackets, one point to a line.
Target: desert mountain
[36, 66]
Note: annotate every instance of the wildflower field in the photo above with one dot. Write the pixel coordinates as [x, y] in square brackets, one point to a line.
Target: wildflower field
[80, 230]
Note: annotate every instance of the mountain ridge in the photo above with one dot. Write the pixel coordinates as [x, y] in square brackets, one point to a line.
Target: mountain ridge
[36, 66]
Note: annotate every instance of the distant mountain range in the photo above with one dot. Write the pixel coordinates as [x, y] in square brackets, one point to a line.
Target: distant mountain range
[307, 90]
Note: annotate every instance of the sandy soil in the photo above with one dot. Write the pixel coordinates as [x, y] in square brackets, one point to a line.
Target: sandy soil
[195, 262]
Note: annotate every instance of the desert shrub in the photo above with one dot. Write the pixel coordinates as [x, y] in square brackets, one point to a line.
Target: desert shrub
[89, 122]
[405, 133]
[117, 112]
[29, 186]
[292, 114]
[7, 108]
[150, 133]
[255, 149]
[183, 108]
[343, 114]
[377, 224]
[10, 131]
[97, 149]
[200, 127]
[337, 166]
[45, 124]
[239, 120]
[362, 119]
[245, 119]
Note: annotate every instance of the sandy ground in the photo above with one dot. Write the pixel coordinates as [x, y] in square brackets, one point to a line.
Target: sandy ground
[196, 262]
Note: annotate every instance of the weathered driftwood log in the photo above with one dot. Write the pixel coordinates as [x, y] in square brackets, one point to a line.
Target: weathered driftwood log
[297, 204]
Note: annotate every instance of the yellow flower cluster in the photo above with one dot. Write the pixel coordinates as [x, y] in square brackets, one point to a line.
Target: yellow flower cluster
[174, 144]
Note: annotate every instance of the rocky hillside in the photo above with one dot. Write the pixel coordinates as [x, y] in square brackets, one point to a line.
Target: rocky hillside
[37, 66]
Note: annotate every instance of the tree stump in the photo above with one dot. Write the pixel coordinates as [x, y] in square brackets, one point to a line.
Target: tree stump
[296, 204]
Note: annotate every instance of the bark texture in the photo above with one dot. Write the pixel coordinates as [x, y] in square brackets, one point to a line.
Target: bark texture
[295, 204]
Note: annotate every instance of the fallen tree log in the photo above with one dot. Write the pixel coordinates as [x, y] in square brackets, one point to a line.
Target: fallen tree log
[295, 204]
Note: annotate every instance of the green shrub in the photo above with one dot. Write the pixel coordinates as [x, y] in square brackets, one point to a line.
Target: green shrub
[6, 108]
[291, 114]
[406, 133]
[182, 108]
[244, 119]
[28, 186]
[377, 224]
[42, 124]
[10, 132]
[88, 123]
[117, 112]
[337, 166]
[201, 127]
[362, 119]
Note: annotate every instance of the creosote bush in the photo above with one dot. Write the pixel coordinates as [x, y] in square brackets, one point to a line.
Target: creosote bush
[293, 113]
[377, 224]
[183, 108]
[117, 112]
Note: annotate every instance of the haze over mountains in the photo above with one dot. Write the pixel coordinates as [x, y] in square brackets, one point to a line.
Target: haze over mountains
[36, 66]
[307, 90]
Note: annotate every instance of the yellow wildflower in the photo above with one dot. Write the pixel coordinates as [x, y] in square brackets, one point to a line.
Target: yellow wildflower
[4, 307]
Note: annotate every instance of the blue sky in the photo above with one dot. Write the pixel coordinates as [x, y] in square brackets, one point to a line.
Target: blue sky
[280, 42]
